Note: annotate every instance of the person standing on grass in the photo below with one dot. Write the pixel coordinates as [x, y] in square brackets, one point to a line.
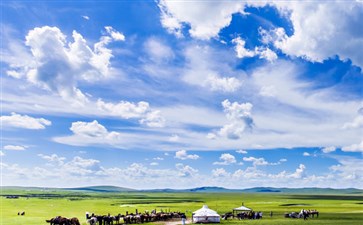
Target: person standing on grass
[183, 217]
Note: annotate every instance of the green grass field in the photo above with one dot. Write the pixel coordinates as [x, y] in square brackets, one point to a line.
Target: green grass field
[334, 209]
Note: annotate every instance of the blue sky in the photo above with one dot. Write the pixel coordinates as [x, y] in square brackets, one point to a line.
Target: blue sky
[179, 94]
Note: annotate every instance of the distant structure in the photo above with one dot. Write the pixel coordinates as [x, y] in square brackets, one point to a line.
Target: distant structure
[206, 215]
[12, 196]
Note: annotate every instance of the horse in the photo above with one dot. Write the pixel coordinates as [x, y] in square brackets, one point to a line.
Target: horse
[227, 215]
[92, 220]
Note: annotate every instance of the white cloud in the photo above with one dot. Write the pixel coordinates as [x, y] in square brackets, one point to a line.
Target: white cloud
[185, 170]
[204, 69]
[318, 27]
[58, 65]
[205, 18]
[24, 121]
[183, 155]
[211, 136]
[239, 116]
[261, 52]
[127, 110]
[357, 122]
[353, 148]
[90, 133]
[225, 84]
[266, 53]
[14, 147]
[299, 172]
[158, 51]
[306, 154]
[220, 172]
[116, 35]
[226, 159]
[154, 164]
[158, 158]
[241, 151]
[240, 49]
[329, 149]
[2, 154]
[256, 161]
[153, 119]
[54, 158]
[174, 138]
[86, 17]
[349, 169]
[268, 91]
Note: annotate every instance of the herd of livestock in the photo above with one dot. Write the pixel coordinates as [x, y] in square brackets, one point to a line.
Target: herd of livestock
[93, 219]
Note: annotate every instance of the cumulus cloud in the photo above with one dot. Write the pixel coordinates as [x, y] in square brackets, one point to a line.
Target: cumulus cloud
[154, 164]
[183, 155]
[261, 52]
[185, 170]
[205, 19]
[317, 27]
[241, 151]
[14, 147]
[115, 35]
[226, 159]
[353, 148]
[127, 110]
[256, 161]
[24, 121]
[54, 158]
[329, 149]
[240, 49]
[299, 172]
[57, 65]
[239, 117]
[220, 172]
[89, 133]
[306, 154]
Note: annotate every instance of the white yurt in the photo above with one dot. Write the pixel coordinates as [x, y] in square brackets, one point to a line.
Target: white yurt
[206, 215]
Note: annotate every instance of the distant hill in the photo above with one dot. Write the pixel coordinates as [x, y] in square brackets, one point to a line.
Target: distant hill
[263, 190]
[101, 189]
[81, 189]
[206, 189]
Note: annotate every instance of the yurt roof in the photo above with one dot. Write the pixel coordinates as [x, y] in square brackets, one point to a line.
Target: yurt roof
[242, 208]
[205, 211]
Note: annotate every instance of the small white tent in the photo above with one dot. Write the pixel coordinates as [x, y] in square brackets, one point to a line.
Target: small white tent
[205, 215]
[241, 209]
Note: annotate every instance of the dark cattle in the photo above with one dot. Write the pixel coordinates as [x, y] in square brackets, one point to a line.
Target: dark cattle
[74, 221]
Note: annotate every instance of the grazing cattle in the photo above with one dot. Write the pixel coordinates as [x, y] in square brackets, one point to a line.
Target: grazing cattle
[59, 221]
[21, 213]
[74, 221]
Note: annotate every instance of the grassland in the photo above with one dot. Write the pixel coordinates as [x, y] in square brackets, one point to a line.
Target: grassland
[41, 205]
